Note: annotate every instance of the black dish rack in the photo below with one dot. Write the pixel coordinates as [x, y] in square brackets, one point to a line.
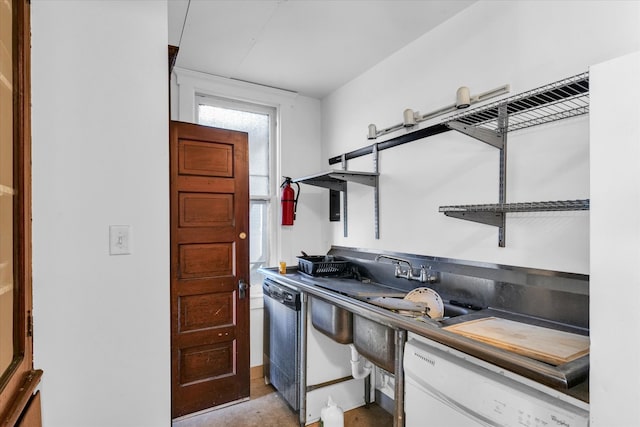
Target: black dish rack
[323, 265]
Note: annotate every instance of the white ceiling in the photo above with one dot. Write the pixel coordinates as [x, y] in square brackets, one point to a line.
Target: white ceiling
[311, 47]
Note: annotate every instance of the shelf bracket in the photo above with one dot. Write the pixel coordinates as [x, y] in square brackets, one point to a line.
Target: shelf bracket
[489, 218]
[487, 136]
[327, 183]
[336, 181]
[364, 179]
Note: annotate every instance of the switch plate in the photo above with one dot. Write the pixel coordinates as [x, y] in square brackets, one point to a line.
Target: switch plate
[119, 239]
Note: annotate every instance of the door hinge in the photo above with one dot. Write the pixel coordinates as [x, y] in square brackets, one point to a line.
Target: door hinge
[29, 324]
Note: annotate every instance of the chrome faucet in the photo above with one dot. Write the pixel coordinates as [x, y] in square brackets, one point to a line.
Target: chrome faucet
[423, 276]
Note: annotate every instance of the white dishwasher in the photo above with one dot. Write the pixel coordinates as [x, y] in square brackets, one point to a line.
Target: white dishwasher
[447, 388]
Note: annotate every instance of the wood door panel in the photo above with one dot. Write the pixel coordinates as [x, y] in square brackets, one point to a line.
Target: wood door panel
[198, 396]
[206, 210]
[206, 362]
[204, 184]
[204, 286]
[206, 260]
[209, 317]
[203, 235]
[207, 337]
[209, 134]
[205, 158]
[200, 311]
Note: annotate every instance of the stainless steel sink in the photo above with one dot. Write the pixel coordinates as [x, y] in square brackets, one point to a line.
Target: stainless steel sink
[332, 321]
[376, 342]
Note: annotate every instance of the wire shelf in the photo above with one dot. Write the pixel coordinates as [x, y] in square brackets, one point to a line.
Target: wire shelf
[555, 101]
[561, 205]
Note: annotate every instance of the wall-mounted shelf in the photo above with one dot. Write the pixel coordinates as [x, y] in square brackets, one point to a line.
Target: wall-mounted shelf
[560, 205]
[336, 181]
[556, 101]
[491, 123]
[494, 214]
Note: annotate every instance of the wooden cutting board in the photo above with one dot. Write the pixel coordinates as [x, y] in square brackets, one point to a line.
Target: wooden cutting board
[544, 344]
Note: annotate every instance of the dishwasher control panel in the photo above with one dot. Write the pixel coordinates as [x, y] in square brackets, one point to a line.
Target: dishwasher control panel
[444, 385]
[281, 293]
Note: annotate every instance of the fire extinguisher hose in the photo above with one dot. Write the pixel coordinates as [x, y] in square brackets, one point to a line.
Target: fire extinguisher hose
[295, 202]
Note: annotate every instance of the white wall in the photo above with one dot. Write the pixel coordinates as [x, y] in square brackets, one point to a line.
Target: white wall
[525, 44]
[615, 242]
[100, 157]
[296, 150]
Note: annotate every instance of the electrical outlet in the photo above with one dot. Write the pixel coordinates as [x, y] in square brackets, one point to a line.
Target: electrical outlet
[119, 239]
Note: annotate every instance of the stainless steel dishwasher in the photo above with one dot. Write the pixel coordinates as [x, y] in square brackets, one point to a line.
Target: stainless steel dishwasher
[281, 340]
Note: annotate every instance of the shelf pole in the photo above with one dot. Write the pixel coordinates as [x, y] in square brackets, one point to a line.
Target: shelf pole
[503, 124]
[376, 192]
[344, 199]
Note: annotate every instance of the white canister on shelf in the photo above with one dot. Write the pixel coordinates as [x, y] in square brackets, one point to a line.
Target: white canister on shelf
[331, 415]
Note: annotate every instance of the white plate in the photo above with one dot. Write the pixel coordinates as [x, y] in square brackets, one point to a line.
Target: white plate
[430, 298]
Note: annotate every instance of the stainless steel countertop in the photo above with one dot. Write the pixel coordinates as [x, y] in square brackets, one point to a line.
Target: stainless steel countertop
[570, 378]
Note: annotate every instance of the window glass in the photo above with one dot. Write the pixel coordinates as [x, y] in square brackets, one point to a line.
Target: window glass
[259, 251]
[257, 121]
[257, 126]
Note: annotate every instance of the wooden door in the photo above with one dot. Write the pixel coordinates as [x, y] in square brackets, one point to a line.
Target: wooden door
[209, 267]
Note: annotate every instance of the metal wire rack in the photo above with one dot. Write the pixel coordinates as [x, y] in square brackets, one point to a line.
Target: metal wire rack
[556, 101]
[560, 205]
[491, 123]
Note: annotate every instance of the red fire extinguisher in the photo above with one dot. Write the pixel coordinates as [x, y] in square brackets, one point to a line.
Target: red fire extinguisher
[289, 200]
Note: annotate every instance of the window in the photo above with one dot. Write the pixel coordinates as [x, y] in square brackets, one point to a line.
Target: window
[259, 122]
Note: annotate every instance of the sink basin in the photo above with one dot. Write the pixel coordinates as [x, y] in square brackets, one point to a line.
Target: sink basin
[332, 321]
[376, 342]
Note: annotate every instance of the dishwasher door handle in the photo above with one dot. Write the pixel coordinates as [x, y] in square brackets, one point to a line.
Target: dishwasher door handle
[242, 289]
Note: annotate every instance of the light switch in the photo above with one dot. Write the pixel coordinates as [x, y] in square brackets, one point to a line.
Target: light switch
[119, 239]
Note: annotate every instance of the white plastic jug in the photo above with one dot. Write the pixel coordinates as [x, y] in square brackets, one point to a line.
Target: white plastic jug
[331, 415]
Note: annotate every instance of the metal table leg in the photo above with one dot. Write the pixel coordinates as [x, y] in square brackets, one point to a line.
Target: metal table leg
[401, 337]
[303, 359]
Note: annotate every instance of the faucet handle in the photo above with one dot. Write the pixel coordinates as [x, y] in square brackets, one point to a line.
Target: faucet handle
[426, 276]
[398, 269]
